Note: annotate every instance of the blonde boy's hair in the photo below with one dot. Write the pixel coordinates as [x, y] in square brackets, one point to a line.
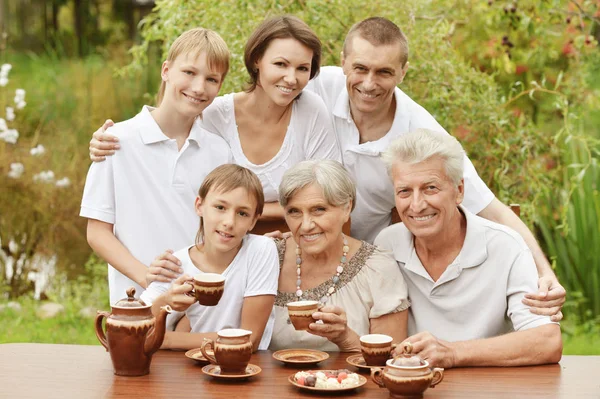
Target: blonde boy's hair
[196, 41]
[226, 178]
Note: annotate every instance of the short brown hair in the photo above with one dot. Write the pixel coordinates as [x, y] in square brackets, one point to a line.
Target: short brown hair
[194, 42]
[378, 31]
[226, 178]
[280, 27]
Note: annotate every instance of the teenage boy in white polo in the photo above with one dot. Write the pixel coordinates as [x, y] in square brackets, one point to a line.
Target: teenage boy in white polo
[369, 111]
[466, 276]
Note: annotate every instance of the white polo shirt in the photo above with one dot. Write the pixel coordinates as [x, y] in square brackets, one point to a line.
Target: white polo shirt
[374, 190]
[148, 188]
[254, 271]
[479, 294]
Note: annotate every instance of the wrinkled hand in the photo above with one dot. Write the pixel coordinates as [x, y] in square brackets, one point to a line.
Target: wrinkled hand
[103, 144]
[164, 268]
[437, 352]
[548, 300]
[278, 234]
[334, 325]
[177, 296]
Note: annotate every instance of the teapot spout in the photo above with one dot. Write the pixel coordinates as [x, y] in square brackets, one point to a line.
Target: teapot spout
[155, 337]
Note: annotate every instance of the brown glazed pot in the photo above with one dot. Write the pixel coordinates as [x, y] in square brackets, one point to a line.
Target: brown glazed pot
[404, 381]
[132, 335]
[232, 349]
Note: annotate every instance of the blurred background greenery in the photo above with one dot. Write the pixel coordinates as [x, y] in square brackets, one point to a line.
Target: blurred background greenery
[517, 82]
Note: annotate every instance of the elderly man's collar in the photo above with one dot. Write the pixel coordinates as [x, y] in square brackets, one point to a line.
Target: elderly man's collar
[473, 252]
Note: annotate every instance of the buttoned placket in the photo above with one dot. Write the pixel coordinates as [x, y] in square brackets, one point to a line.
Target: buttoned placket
[176, 172]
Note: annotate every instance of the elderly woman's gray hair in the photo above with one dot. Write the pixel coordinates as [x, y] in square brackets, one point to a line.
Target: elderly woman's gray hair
[423, 144]
[335, 181]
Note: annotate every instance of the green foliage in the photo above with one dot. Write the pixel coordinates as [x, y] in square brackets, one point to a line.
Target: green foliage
[66, 101]
[89, 290]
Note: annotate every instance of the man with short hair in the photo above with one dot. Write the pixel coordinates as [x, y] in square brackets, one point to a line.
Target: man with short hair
[369, 111]
[466, 275]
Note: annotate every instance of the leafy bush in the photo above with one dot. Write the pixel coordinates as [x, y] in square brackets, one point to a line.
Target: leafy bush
[42, 171]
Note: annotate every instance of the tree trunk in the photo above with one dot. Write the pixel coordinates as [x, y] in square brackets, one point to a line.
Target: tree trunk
[78, 17]
[55, 8]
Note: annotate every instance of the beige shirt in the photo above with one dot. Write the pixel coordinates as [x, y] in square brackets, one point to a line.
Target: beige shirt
[370, 286]
[479, 294]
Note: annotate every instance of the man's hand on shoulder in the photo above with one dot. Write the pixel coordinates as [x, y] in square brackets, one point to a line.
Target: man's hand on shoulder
[103, 144]
[549, 299]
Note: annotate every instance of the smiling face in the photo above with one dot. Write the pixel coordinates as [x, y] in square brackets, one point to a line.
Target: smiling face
[226, 217]
[315, 224]
[284, 70]
[426, 198]
[191, 85]
[372, 73]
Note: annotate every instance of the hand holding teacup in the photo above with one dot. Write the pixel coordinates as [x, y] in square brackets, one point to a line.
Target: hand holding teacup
[333, 325]
[437, 352]
[178, 295]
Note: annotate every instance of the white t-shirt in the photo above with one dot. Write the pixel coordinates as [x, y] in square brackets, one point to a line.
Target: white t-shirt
[374, 189]
[147, 190]
[309, 136]
[479, 294]
[254, 271]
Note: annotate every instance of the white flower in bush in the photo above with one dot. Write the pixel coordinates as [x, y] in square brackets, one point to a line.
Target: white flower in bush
[5, 69]
[3, 81]
[21, 105]
[64, 182]
[10, 136]
[46, 176]
[16, 170]
[39, 150]
[10, 114]
[3, 126]
[13, 247]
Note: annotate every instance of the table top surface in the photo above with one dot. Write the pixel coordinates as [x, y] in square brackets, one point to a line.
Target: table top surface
[65, 371]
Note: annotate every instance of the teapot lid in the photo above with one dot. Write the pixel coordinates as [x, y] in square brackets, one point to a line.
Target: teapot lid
[130, 301]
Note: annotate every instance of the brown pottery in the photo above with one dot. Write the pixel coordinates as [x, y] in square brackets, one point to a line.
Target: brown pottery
[406, 381]
[208, 288]
[376, 348]
[300, 313]
[132, 335]
[232, 350]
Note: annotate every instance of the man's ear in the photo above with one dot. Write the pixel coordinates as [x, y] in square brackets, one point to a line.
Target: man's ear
[164, 71]
[342, 58]
[403, 72]
[461, 192]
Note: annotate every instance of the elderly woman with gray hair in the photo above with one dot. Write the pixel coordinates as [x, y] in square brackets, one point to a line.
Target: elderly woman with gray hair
[359, 285]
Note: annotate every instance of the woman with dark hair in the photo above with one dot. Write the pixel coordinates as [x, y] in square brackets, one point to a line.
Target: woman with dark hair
[273, 125]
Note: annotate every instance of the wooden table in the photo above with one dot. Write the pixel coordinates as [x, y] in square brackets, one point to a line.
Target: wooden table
[77, 371]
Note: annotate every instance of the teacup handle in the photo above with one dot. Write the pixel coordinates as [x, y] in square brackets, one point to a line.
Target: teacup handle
[438, 376]
[208, 343]
[191, 293]
[376, 376]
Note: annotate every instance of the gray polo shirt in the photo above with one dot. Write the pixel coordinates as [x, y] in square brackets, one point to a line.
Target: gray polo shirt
[479, 294]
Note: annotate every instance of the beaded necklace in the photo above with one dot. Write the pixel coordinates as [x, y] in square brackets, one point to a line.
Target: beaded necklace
[334, 280]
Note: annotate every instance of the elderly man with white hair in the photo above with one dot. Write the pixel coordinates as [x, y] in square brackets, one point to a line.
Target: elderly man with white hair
[466, 275]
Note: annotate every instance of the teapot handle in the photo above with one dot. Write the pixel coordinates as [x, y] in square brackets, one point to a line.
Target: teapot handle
[99, 330]
[377, 376]
[208, 343]
[438, 376]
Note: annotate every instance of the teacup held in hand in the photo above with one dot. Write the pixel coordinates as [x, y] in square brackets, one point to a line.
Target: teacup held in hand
[232, 350]
[208, 288]
[300, 313]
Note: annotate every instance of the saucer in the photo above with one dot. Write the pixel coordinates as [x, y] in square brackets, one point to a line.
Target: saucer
[359, 361]
[196, 355]
[300, 356]
[215, 371]
[361, 381]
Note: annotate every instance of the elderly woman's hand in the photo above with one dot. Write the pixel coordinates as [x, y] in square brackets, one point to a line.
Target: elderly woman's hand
[334, 327]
